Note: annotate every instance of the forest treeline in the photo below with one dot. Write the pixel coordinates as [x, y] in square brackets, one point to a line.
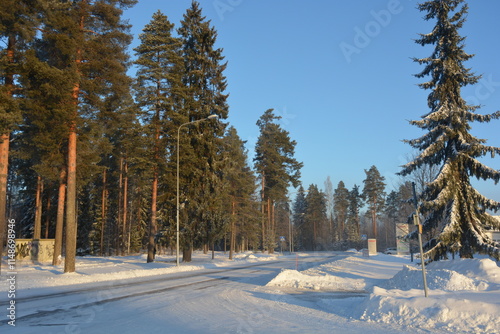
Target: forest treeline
[94, 153]
[90, 155]
[106, 163]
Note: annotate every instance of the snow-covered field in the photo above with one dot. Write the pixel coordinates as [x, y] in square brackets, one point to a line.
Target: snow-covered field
[464, 295]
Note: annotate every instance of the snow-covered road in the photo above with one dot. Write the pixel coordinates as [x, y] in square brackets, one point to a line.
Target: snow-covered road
[325, 292]
[228, 300]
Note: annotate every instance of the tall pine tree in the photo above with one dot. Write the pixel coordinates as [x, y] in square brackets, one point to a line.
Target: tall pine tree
[158, 83]
[17, 27]
[374, 195]
[316, 226]
[277, 169]
[89, 41]
[355, 203]
[341, 205]
[240, 187]
[299, 229]
[449, 202]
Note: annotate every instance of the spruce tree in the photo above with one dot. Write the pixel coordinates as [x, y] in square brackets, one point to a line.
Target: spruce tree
[450, 203]
[203, 94]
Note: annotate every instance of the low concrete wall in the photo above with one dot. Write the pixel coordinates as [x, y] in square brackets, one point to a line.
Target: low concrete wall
[39, 250]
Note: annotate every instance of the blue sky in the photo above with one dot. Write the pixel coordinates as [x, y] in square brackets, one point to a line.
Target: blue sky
[340, 74]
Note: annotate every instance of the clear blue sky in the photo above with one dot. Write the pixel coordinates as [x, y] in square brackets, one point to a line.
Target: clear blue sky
[340, 74]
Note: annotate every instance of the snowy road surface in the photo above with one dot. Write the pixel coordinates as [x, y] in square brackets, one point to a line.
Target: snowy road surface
[329, 292]
[229, 300]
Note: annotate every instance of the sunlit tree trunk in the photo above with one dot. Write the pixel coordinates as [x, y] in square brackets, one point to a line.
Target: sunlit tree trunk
[125, 199]
[4, 150]
[71, 227]
[104, 210]
[38, 209]
[232, 241]
[47, 219]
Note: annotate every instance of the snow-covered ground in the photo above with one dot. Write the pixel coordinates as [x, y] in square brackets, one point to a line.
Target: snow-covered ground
[464, 295]
[90, 269]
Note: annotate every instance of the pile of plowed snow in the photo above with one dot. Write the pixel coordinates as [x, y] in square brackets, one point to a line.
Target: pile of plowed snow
[463, 294]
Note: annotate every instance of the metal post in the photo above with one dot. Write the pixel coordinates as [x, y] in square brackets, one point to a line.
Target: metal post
[416, 221]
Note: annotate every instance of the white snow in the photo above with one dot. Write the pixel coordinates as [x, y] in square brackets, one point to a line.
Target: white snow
[91, 269]
[464, 295]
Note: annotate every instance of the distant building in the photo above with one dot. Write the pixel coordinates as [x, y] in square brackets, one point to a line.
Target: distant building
[494, 234]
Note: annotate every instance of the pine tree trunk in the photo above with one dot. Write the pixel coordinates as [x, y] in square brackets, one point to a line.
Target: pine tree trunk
[187, 252]
[233, 233]
[314, 235]
[358, 227]
[104, 210]
[71, 228]
[342, 227]
[71, 222]
[4, 163]
[37, 231]
[118, 226]
[4, 150]
[374, 223]
[125, 199]
[263, 215]
[152, 223]
[56, 260]
[270, 236]
[47, 219]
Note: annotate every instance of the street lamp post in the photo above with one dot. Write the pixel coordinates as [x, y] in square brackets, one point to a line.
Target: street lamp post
[177, 206]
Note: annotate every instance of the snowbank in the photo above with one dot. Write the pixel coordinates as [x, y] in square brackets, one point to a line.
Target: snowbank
[91, 269]
[353, 273]
[437, 279]
[464, 295]
[298, 280]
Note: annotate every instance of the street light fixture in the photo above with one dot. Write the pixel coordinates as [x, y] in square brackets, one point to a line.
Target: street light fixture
[178, 147]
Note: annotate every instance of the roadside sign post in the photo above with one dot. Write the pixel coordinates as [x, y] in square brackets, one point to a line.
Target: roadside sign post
[416, 221]
[282, 240]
